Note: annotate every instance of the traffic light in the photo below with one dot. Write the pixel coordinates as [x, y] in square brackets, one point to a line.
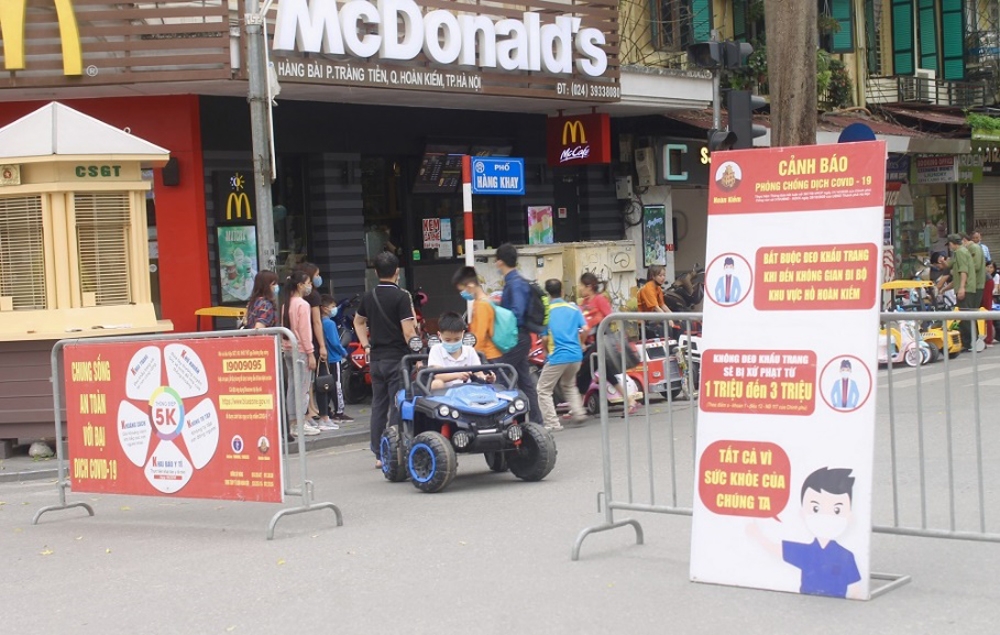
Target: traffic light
[721, 140]
[715, 55]
[736, 54]
[707, 54]
[741, 105]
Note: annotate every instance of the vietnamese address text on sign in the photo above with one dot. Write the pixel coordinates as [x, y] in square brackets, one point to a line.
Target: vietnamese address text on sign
[498, 176]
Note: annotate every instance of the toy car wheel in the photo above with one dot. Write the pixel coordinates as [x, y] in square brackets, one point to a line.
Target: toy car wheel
[536, 456]
[935, 353]
[593, 403]
[497, 461]
[390, 452]
[431, 462]
[912, 356]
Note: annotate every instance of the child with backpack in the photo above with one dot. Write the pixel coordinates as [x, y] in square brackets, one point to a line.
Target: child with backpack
[495, 327]
[331, 404]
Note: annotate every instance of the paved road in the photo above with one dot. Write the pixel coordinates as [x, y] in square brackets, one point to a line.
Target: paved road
[490, 555]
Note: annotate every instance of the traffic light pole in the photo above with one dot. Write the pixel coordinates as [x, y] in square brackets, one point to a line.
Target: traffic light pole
[716, 91]
[259, 137]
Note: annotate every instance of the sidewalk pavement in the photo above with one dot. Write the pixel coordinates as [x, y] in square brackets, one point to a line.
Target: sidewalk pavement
[24, 468]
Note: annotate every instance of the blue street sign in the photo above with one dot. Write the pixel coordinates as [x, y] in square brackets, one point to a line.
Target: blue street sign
[502, 176]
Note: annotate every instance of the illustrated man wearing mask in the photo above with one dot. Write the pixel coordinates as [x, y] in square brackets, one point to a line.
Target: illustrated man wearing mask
[827, 568]
[728, 289]
[845, 394]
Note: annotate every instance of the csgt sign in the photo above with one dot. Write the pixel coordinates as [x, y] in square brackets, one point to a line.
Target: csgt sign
[12, 20]
[579, 140]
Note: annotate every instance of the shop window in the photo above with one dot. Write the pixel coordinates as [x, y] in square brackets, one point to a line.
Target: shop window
[102, 238]
[22, 254]
[676, 24]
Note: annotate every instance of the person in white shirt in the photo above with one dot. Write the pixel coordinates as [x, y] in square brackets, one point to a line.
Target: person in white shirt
[451, 353]
[978, 239]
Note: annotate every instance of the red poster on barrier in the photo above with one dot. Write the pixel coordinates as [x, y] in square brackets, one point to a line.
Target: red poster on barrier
[196, 418]
[759, 382]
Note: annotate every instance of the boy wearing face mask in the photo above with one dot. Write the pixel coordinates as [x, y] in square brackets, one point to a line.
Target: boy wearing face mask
[452, 353]
[333, 400]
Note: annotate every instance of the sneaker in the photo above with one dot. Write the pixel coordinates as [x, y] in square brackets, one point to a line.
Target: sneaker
[342, 418]
[555, 428]
[326, 425]
[310, 430]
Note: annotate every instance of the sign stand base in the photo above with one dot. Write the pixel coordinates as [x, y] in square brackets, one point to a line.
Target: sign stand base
[62, 499]
[895, 580]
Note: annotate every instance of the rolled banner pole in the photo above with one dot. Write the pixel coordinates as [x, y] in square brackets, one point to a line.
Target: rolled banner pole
[470, 260]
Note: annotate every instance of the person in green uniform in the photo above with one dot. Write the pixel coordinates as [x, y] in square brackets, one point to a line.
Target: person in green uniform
[963, 273]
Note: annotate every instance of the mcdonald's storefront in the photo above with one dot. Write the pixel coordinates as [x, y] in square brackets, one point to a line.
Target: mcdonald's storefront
[366, 137]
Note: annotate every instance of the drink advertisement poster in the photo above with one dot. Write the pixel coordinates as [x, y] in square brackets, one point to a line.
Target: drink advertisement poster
[237, 261]
[196, 418]
[654, 234]
[786, 427]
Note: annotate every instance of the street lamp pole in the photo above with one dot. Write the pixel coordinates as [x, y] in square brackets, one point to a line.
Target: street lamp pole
[257, 96]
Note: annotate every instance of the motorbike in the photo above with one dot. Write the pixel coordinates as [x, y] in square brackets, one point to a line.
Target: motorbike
[356, 376]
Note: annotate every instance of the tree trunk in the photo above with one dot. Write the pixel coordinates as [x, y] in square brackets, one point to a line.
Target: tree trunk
[791, 70]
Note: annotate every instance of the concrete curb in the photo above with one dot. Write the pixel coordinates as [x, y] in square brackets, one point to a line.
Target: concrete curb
[51, 470]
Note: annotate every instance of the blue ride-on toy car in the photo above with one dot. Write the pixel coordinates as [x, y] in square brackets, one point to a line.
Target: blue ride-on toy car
[472, 418]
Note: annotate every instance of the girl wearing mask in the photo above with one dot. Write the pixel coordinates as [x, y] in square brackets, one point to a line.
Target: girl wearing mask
[296, 316]
[595, 306]
[263, 300]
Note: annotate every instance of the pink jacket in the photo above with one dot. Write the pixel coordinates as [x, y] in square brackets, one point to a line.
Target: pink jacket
[300, 323]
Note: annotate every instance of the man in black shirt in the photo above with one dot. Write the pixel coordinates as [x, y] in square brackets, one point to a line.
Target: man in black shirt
[384, 323]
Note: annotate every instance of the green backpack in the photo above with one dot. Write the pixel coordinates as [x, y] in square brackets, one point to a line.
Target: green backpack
[504, 328]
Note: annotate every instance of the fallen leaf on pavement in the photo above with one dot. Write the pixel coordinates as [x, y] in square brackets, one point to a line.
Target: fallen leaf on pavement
[79, 537]
[126, 508]
[107, 550]
[47, 552]
[281, 561]
[230, 629]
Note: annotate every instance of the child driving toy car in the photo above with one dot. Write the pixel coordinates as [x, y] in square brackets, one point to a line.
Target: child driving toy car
[452, 353]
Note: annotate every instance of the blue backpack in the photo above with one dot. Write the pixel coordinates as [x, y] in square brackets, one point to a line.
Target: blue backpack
[504, 328]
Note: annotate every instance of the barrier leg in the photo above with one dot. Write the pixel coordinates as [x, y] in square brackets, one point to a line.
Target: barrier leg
[301, 510]
[62, 504]
[895, 580]
[639, 537]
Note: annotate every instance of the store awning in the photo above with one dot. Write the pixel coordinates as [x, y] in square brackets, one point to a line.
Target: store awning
[899, 139]
[57, 130]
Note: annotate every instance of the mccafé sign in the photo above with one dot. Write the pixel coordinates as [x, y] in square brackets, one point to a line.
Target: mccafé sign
[12, 20]
[579, 140]
[400, 30]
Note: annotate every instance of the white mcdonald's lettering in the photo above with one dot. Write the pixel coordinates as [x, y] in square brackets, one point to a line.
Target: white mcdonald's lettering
[238, 201]
[12, 19]
[317, 26]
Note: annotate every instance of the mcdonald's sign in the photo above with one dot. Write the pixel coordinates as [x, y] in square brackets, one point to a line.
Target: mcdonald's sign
[579, 140]
[236, 204]
[12, 31]
[233, 202]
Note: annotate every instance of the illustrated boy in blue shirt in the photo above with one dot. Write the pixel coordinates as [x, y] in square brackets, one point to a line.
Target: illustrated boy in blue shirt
[827, 568]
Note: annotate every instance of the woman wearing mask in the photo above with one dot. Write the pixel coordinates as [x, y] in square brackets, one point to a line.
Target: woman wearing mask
[263, 300]
[319, 343]
[296, 316]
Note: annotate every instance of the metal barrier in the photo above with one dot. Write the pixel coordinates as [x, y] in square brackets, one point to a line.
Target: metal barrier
[936, 450]
[305, 488]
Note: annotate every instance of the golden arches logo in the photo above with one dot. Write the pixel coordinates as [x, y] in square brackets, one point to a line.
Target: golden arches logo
[12, 20]
[572, 130]
[238, 201]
